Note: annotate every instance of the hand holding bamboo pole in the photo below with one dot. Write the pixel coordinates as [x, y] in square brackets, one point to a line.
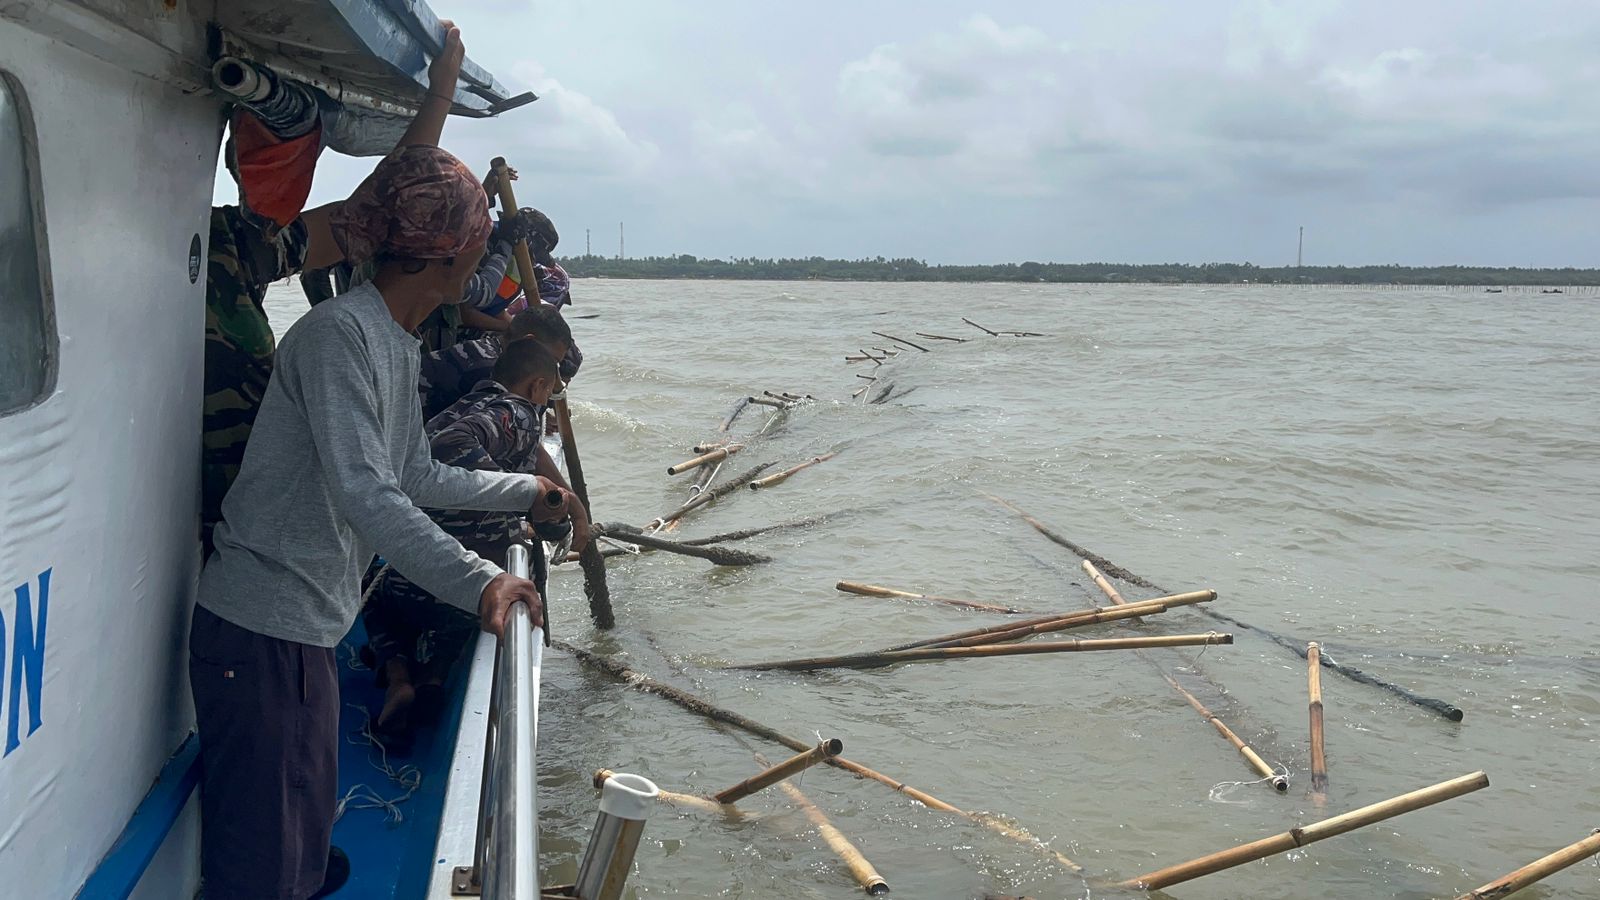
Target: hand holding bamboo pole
[1319, 760]
[922, 654]
[1537, 870]
[1307, 834]
[826, 750]
[783, 476]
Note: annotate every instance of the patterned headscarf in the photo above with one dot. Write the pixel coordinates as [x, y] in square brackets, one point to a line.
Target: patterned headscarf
[420, 202]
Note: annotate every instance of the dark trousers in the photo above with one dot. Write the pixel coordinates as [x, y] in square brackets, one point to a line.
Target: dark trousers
[268, 716]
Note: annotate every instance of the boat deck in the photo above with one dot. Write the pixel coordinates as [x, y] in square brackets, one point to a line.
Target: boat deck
[391, 858]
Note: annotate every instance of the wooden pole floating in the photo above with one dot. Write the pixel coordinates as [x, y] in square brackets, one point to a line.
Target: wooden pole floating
[940, 337]
[738, 407]
[1319, 760]
[1101, 583]
[783, 476]
[1278, 781]
[1144, 607]
[861, 870]
[867, 377]
[1448, 710]
[594, 567]
[773, 774]
[1537, 870]
[640, 681]
[722, 556]
[725, 536]
[704, 497]
[980, 327]
[689, 801]
[710, 456]
[768, 401]
[872, 590]
[897, 340]
[923, 654]
[1020, 632]
[1308, 834]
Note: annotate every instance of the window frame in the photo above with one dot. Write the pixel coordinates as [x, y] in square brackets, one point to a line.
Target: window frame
[27, 133]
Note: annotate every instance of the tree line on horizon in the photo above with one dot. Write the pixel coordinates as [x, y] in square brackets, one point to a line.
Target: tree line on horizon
[817, 268]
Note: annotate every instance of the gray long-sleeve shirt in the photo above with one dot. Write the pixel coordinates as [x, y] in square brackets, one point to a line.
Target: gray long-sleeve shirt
[336, 468]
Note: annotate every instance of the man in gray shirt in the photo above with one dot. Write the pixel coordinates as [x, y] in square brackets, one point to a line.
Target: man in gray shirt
[336, 466]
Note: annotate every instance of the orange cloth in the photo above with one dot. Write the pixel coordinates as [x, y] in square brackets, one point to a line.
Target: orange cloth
[274, 174]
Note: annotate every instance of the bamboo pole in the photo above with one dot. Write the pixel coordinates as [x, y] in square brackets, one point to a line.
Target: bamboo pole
[1062, 624]
[922, 654]
[861, 870]
[858, 392]
[1448, 710]
[640, 681]
[768, 401]
[1319, 760]
[704, 497]
[1101, 583]
[1169, 601]
[783, 476]
[940, 337]
[980, 327]
[738, 408]
[1539, 869]
[688, 801]
[872, 590]
[1260, 766]
[898, 340]
[710, 456]
[594, 566]
[1307, 834]
[725, 536]
[722, 556]
[773, 774]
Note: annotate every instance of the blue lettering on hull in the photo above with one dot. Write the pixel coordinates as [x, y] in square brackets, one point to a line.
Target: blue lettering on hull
[26, 658]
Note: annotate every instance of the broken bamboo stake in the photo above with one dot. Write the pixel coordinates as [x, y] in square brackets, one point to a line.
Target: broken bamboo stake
[923, 654]
[1267, 773]
[690, 801]
[706, 458]
[1308, 834]
[1448, 710]
[1319, 760]
[1539, 869]
[773, 774]
[872, 590]
[722, 556]
[1169, 601]
[867, 377]
[783, 476]
[640, 681]
[861, 870]
[594, 567]
[899, 340]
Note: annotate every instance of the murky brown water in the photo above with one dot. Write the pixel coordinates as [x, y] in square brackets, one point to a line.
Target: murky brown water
[1411, 478]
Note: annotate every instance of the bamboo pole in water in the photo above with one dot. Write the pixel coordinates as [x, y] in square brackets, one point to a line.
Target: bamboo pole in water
[704, 497]
[738, 408]
[594, 567]
[940, 337]
[768, 401]
[923, 654]
[861, 870]
[1169, 601]
[1101, 583]
[898, 340]
[706, 458]
[688, 801]
[773, 774]
[783, 476]
[690, 702]
[1252, 757]
[1319, 760]
[1448, 710]
[872, 590]
[1308, 834]
[1021, 632]
[1539, 869]
[722, 556]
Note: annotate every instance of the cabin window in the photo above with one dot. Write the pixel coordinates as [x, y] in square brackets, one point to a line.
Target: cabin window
[27, 334]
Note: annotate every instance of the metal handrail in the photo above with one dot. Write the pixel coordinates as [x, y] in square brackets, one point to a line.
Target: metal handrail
[506, 855]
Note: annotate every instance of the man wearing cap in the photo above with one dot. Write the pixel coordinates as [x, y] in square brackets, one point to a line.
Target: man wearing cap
[336, 467]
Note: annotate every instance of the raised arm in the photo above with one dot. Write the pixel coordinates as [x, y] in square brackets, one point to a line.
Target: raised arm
[442, 75]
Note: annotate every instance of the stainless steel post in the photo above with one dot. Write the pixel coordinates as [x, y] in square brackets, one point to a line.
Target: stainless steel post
[625, 803]
[511, 859]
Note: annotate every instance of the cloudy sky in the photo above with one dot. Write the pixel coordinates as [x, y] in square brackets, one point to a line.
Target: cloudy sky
[1415, 132]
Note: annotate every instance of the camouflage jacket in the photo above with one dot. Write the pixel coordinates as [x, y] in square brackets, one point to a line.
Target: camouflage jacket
[241, 262]
[491, 429]
[448, 375]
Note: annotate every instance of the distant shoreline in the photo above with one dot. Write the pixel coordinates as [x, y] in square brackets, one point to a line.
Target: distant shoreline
[1239, 274]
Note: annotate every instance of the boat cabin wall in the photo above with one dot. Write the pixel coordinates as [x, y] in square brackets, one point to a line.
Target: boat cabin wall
[105, 187]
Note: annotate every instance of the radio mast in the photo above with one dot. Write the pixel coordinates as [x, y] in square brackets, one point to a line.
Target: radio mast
[1300, 254]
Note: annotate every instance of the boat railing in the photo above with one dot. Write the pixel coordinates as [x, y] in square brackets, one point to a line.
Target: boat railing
[505, 860]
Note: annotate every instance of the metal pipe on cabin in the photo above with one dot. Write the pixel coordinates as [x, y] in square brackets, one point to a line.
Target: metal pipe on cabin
[511, 858]
[828, 749]
[626, 801]
[240, 79]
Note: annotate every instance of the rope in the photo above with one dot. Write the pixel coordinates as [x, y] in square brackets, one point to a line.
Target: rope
[361, 796]
[1220, 791]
